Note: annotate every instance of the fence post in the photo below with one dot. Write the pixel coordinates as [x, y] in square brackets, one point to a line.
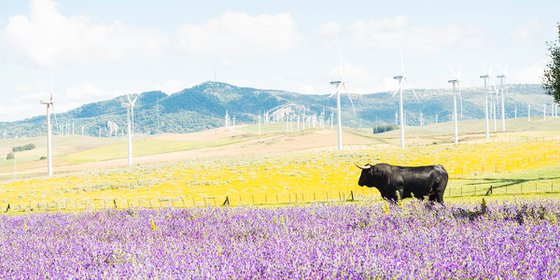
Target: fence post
[489, 192]
[277, 200]
[253, 197]
[115, 203]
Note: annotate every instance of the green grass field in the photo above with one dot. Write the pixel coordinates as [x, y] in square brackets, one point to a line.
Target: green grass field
[275, 167]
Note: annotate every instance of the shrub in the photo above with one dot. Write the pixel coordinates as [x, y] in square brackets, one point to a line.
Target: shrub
[384, 128]
[10, 156]
[27, 147]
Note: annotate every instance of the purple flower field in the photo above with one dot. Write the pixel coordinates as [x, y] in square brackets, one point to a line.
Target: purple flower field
[506, 240]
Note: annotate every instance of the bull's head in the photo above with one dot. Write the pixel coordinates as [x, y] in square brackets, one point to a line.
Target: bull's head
[366, 176]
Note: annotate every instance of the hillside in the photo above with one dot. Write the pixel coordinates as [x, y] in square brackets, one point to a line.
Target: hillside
[204, 107]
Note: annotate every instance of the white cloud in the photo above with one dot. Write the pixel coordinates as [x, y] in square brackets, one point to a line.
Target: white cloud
[86, 92]
[360, 80]
[392, 32]
[237, 32]
[531, 74]
[525, 32]
[67, 98]
[48, 38]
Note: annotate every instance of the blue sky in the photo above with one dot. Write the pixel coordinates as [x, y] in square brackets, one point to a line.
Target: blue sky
[95, 50]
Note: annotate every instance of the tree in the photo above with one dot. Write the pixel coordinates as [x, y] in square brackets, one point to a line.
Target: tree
[551, 78]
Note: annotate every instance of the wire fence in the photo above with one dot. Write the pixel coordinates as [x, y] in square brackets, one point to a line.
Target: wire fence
[263, 199]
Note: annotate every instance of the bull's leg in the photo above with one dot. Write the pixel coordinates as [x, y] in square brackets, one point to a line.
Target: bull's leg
[433, 197]
[390, 196]
[439, 197]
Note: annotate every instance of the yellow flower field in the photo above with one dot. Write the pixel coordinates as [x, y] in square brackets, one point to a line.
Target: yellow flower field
[315, 175]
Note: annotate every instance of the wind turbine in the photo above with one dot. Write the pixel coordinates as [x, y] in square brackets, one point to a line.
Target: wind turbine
[400, 78]
[485, 77]
[130, 119]
[49, 106]
[502, 78]
[340, 85]
[529, 112]
[455, 83]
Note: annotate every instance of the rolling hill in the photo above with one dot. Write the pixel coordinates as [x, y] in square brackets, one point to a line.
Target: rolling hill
[204, 106]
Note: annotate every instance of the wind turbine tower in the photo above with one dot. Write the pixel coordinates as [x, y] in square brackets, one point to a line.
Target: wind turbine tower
[130, 119]
[400, 78]
[485, 77]
[49, 105]
[502, 78]
[455, 84]
[340, 84]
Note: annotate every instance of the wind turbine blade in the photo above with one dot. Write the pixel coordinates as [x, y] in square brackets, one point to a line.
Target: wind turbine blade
[54, 115]
[339, 59]
[506, 68]
[452, 72]
[412, 89]
[351, 102]
[500, 68]
[396, 91]
[486, 72]
[415, 95]
[402, 61]
[336, 91]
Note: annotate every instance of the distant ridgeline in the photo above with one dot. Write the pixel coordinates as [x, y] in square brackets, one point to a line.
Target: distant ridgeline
[205, 106]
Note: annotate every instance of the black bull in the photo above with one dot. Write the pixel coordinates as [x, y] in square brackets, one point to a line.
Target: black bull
[394, 182]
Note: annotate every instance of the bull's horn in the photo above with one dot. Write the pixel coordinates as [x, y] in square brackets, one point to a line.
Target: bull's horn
[363, 167]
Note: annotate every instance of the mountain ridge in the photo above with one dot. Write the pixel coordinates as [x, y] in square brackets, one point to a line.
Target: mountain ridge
[204, 106]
